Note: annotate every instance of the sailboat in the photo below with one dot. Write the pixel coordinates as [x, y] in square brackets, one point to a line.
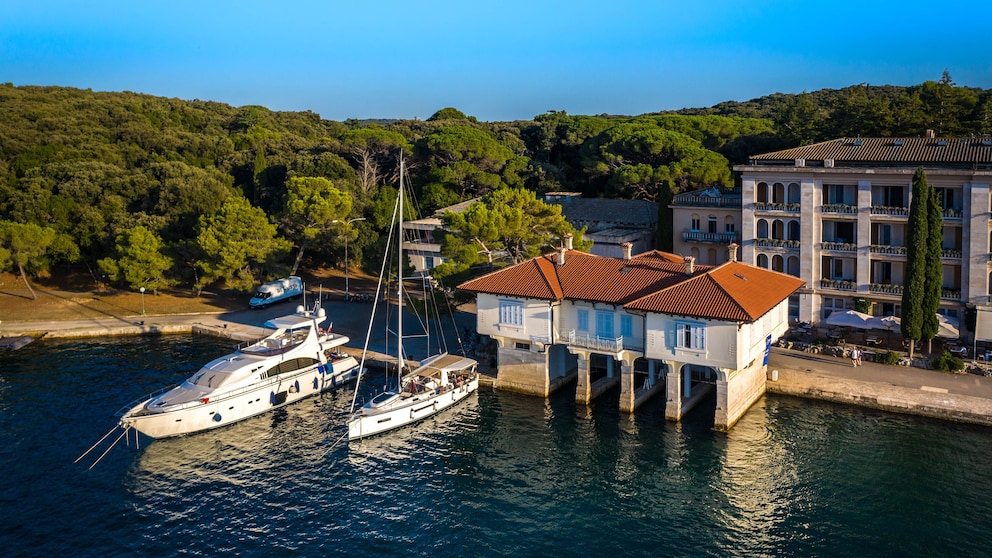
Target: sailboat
[437, 383]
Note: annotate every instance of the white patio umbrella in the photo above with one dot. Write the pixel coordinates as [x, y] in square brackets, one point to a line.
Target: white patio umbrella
[888, 323]
[848, 318]
[947, 327]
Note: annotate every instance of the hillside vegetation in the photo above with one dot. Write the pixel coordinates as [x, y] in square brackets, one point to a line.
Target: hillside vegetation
[155, 192]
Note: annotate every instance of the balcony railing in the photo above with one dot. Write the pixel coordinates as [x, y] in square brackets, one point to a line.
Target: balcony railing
[895, 211]
[612, 345]
[950, 294]
[776, 243]
[839, 246]
[838, 284]
[696, 200]
[950, 253]
[840, 208]
[787, 207]
[714, 238]
[885, 288]
[953, 213]
[891, 250]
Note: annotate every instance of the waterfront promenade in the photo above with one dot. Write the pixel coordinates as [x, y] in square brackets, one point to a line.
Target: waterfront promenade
[961, 397]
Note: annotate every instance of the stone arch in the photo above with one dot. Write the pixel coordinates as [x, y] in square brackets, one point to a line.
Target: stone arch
[778, 263]
[778, 193]
[762, 226]
[792, 266]
[761, 193]
[794, 229]
[763, 260]
[778, 229]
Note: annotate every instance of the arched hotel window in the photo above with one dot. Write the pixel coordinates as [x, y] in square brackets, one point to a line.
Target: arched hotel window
[794, 230]
[762, 228]
[778, 193]
[761, 193]
[793, 266]
[778, 230]
[763, 261]
[778, 264]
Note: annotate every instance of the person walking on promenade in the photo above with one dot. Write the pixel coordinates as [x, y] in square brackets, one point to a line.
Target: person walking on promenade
[855, 356]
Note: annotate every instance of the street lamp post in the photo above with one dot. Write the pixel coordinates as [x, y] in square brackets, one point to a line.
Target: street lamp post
[347, 289]
[142, 289]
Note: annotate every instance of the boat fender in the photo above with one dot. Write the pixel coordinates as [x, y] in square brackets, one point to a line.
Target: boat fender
[296, 385]
[217, 417]
[320, 368]
[334, 381]
[315, 383]
[272, 398]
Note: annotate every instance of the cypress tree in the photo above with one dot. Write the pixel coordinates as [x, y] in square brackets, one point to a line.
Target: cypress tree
[934, 276]
[916, 262]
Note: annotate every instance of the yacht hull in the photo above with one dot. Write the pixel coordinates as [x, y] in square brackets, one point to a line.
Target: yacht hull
[223, 409]
[370, 422]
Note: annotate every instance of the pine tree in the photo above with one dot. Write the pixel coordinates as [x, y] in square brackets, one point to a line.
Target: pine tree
[934, 276]
[916, 262]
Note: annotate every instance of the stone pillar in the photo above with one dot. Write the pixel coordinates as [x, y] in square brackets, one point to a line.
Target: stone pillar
[583, 391]
[673, 387]
[627, 390]
[862, 272]
[686, 382]
[610, 363]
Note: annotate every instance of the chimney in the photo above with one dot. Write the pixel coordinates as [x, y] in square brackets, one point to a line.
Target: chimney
[732, 252]
[689, 265]
[930, 134]
[561, 257]
[568, 241]
[628, 247]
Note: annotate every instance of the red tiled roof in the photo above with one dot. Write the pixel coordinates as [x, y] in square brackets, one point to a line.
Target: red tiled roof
[733, 291]
[652, 281]
[905, 151]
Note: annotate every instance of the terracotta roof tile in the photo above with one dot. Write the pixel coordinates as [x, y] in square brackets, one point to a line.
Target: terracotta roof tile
[652, 281]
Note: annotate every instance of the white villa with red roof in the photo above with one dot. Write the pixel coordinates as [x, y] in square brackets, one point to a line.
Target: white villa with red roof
[635, 321]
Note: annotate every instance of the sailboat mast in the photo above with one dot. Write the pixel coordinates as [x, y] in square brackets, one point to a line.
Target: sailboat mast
[399, 286]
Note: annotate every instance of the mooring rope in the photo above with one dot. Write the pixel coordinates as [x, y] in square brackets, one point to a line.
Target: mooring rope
[126, 428]
[100, 441]
[334, 445]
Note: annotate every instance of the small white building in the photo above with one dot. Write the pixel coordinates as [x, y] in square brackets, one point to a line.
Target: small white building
[653, 322]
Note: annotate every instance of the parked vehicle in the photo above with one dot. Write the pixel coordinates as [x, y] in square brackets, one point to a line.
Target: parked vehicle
[288, 288]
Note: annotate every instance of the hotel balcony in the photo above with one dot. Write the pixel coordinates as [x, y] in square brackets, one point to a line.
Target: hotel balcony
[782, 207]
[708, 237]
[950, 253]
[888, 250]
[953, 214]
[885, 289]
[703, 199]
[950, 294]
[838, 284]
[890, 211]
[776, 243]
[839, 246]
[840, 208]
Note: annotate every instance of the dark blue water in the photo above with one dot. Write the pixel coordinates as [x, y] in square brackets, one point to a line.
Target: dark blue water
[505, 475]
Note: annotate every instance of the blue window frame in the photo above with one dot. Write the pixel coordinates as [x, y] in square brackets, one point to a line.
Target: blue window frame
[511, 312]
[604, 325]
[626, 326]
[690, 335]
[583, 320]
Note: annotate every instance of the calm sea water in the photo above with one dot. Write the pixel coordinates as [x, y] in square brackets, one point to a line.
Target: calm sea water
[505, 475]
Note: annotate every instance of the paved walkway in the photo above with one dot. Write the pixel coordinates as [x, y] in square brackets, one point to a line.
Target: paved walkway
[955, 396]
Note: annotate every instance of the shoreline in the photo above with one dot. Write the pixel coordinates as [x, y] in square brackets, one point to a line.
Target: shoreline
[965, 398]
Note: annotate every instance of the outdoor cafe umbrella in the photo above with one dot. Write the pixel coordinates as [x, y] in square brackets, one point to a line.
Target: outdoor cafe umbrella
[888, 323]
[849, 318]
[947, 327]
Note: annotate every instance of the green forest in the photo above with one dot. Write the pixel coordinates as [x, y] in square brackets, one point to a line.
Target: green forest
[144, 191]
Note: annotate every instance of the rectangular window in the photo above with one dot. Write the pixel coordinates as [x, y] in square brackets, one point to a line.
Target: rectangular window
[626, 326]
[711, 225]
[690, 336]
[604, 325]
[730, 228]
[694, 224]
[583, 319]
[511, 312]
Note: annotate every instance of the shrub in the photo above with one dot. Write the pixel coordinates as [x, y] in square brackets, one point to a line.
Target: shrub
[888, 357]
[947, 361]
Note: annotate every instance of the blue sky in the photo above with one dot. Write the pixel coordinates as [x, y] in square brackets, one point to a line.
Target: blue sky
[496, 60]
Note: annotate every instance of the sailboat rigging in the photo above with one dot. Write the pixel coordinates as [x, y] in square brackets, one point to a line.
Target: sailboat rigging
[437, 383]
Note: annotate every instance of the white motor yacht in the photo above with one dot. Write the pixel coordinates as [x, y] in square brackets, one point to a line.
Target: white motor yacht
[297, 360]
